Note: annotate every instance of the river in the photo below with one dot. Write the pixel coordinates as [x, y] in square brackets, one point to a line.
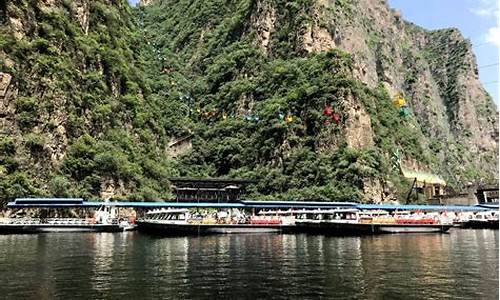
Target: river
[460, 265]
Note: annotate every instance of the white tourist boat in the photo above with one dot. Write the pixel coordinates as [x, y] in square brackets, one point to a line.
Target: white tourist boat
[353, 222]
[181, 222]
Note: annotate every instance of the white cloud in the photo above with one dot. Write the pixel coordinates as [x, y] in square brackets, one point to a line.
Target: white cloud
[485, 8]
[488, 9]
[484, 12]
[493, 36]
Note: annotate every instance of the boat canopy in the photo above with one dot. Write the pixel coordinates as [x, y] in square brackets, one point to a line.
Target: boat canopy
[168, 211]
[423, 207]
[52, 203]
[307, 211]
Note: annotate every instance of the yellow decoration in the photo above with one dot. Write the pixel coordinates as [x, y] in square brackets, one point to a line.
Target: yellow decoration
[423, 177]
[224, 116]
[399, 101]
[289, 119]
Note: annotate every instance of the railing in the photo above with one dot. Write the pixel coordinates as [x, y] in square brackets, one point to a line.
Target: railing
[51, 221]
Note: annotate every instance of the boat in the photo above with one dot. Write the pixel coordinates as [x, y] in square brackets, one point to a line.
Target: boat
[100, 222]
[182, 222]
[482, 220]
[33, 225]
[355, 222]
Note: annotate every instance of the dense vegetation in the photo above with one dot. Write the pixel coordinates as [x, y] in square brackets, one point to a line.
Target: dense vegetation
[82, 96]
[260, 116]
[98, 107]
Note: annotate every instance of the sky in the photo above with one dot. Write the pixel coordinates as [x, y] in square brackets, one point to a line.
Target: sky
[476, 19]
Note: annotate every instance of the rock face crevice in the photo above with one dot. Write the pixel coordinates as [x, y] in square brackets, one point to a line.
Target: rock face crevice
[262, 23]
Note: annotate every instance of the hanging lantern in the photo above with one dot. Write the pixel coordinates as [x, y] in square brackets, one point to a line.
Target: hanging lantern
[327, 111]
[399, 101]
[336, 118]
[404, 111]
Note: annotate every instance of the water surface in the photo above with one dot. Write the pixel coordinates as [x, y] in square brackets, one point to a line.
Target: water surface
[460, 265]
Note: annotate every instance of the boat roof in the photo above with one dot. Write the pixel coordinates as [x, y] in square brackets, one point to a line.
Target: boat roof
[169, 211]
[421, 207]
[489, 205]
[51, 202]
[309, 211]
[374, 212]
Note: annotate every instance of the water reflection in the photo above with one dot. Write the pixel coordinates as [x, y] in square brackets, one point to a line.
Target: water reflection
[462, 264]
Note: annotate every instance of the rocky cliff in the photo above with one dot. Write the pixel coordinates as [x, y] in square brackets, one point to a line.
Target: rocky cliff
[100, 98]
[74, 116]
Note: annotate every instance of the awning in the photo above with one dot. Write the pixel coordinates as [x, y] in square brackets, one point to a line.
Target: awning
[423, 177]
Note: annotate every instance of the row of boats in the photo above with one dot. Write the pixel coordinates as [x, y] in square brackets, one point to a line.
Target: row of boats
[329, 221]
[340, 221]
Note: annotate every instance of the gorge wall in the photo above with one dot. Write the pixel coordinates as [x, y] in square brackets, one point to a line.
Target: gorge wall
[96, 98]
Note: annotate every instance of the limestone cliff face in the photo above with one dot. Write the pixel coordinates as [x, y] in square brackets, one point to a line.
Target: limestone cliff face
[436, 71]
[69, 77]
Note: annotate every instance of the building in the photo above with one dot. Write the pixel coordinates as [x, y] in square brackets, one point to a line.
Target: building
[487, 195]
[208, 189]
[430, 185]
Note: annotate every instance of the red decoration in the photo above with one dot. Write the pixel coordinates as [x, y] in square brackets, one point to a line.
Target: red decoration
[327, 111]
[336, 118]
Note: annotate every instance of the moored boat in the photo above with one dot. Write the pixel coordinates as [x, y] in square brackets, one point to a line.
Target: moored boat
[30, 225]
[482, 220]
[101, 220]
[354, 222]
[181, 222]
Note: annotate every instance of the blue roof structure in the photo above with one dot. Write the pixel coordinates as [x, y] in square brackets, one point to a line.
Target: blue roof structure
[51, 203]
[489, 205]
[425, 207]
[293, 204]
[80, 203]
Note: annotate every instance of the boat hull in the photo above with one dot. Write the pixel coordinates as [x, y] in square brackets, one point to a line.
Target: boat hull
[206, 229]
[39, 228]
[481, 224]
[339, 228]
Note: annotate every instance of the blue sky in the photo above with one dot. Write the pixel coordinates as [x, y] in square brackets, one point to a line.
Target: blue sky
[476, 19]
